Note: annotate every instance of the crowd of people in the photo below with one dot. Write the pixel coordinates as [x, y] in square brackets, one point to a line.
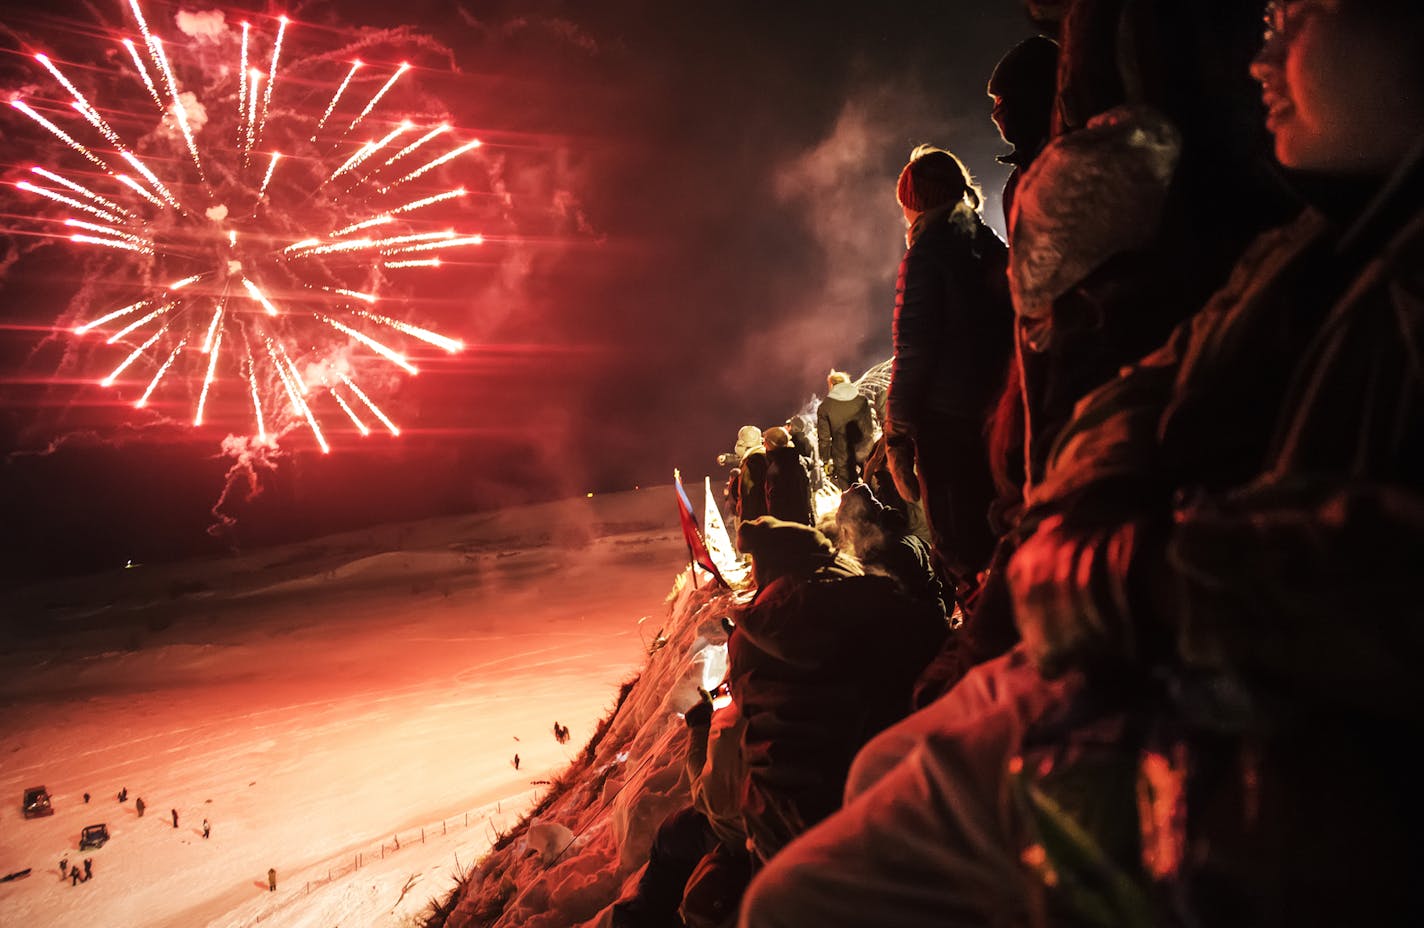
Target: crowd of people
[1148, 660]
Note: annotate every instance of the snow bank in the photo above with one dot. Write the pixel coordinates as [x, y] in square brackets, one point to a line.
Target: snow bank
[590, 836]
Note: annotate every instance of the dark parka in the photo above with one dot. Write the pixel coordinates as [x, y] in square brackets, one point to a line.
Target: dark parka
[821, 660]
[845, 431]
[751, 486]
[788, 486]
[953, 334]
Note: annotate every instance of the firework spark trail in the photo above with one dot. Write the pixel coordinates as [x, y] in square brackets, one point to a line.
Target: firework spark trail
[369, 149]
[428, 201]
[350, 412]
[143, 72]
[383, 219]
[259, 296]
[438, 130]
[451, 345]
[266, 180]
[355, 244]
[140, 323]
[377, 98]
[212, 371]
[178, 109]
[355, 65]
[418, 262]
[80, 103]
[254, 78]
[449, 243]
[354, 294]
[59, 133]
[430, 165]
[272, 73]
[299, 404]
[137, 188]
[111, 243]
[110, 205]
[214, 337]
[153, 384]
[149, 176]
[394, 357]
[375, 410]
[109, 380]
[109, 230]
[180, 284]
[242, 82]
[67, 201]
[116, 314]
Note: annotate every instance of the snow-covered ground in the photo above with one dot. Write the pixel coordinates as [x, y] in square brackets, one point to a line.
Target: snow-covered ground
[314, 702]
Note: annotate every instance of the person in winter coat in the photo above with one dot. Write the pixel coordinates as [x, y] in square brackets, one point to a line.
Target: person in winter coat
[751, 474]
[207, 829]
[175, 817]
[1022, 88]
[880, 538]
[271, 879]
[788, 480]
[63, 867]
[845, 430]
[1227, 539]
[822, 658]
[953, 333]
[796, 427]
[88, 868]
[139, 806]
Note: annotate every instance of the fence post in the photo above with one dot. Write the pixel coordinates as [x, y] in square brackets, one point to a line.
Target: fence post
[422, 835]
[442, 827]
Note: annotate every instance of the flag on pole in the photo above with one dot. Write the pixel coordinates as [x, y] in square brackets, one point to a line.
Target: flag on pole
[719, 543]
[696, 547]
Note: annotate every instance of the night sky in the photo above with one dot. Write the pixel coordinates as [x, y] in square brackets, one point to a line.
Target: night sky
[691, 216]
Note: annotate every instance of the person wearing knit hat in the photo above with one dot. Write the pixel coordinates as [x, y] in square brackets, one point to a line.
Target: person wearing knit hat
[953, 335]
[821, 660]
[788, 479]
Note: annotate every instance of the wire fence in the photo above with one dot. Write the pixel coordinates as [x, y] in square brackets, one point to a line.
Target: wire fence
[492, 819]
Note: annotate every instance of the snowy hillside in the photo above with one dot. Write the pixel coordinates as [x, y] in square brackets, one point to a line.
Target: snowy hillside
[590, 837]
[345, 711]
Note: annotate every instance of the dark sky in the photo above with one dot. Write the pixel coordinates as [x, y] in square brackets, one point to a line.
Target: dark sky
[692, 218]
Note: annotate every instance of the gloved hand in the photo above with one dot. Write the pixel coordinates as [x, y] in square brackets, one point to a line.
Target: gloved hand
[700, 714]
[900, 455]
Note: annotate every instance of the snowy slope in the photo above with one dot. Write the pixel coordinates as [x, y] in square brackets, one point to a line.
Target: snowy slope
[612, 802]
[316, 703]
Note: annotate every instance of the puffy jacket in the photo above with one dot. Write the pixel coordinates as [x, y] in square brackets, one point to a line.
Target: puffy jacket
[845, 432]
[953, 327]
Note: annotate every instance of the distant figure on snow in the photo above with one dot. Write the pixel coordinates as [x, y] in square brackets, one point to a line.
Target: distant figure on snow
[124, 794]
[139, 806]
[73, 876]
[63, 867]
[207, 829]
[88, 868]
[175, 817]
[271, 879]
[86, 799]
[516, 762]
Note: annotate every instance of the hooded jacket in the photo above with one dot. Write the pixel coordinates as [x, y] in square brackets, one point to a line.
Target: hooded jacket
[822, 659]
[845, 431]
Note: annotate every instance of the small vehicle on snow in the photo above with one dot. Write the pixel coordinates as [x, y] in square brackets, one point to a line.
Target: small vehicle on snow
[36, 802]
[93, 836]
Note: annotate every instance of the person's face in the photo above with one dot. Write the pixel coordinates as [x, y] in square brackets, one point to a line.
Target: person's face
[1341, 91]
[997, 114]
